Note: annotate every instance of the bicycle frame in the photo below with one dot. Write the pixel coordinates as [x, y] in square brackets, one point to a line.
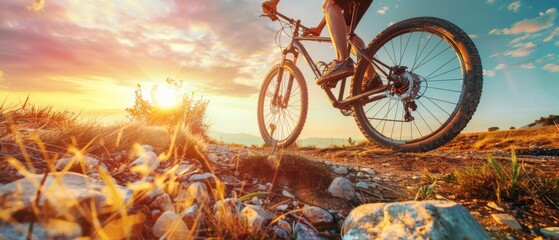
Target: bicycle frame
[296, 47]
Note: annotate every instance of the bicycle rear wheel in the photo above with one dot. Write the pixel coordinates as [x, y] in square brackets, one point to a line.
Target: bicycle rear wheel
[439, 74]
[281, 116]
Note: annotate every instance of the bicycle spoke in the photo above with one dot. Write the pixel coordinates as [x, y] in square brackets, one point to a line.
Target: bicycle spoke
[436, 70]
[436, 99]
[428, 54]
[430, 59]
[444, 89]
[433, 115]
[394, 123]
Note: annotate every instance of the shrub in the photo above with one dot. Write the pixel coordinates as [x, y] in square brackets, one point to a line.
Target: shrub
[189, 112]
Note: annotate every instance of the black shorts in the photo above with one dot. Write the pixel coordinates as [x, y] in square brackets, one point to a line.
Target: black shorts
[348, 9]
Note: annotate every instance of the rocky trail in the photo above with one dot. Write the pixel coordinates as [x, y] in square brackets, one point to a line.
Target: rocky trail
[236, 192]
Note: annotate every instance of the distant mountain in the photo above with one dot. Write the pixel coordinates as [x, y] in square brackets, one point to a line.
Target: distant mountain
[544, 121]
[238, 138]
[248, 139]
[324, 142]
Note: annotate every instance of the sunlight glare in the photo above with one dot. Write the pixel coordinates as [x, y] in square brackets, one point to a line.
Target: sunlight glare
[166, 97]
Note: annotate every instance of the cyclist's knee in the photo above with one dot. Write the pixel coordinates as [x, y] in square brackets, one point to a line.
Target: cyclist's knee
[327, 5]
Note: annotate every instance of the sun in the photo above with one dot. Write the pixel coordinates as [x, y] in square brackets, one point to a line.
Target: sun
[166, 97]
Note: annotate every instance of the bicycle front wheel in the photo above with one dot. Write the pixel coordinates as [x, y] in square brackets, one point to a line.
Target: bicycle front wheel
[434, 89]
[282, 105]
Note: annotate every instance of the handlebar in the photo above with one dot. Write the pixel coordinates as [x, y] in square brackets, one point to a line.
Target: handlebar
[274, 14]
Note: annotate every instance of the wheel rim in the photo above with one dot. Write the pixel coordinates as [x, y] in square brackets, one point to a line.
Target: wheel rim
[440, 70]
[281, 118]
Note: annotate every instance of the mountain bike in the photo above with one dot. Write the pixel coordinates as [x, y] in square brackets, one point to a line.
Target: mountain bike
[431, 78]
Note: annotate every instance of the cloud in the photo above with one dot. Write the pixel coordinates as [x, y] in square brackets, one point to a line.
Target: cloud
[528, 66]
[383, 10]
[544, 21]
[514, 6]
[473, 36]
[38, 5]
[489, 73]
[557, 43]
[551, 67]
[490, 1]
[522, 50]
[500, 66]
[552, 35]
[69, 44]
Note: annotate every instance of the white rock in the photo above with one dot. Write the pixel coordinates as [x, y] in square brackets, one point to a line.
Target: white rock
[317, 216]
[261, 188]
[341, 187]
[170, 226]
[256, 201]
[507, 220]
[281, 233]
[495, 206]
[285, 226]
[90, 164]
[341, 170]
[373, 185]
[378, 179]
[303, 231]
[64, 192]
[163, 202]
[282, 207]
[227, 209]
[328, 163]
[189, 215]
[204, 177]
[415, 177]
[369, 171]
[255, 216]
[287, 194]
[198, 191]
[147, 148]
[145, 164]
[360, 174]
[550, 232]
[362, 185]
[412, 220]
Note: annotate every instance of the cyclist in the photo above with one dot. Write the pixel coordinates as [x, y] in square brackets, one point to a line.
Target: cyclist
[337, 16]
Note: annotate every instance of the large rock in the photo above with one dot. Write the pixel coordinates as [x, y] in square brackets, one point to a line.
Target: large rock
[90, 164]
[507, 220]
[341, 170]
[55, 229]
[170, 226]
[304, 232]
[317, 216]
[145, 164]
[227, 209]
[199, 192]
[341, 187]
[255, 216]
[412, 220]
[163, 202]
[62, 192]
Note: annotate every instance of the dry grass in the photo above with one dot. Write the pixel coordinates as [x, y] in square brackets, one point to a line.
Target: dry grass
[294, 170]
[36, 137]
[505, 139]
[508, 181]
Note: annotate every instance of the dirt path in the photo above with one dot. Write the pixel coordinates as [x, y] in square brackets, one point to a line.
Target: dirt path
[401, 175]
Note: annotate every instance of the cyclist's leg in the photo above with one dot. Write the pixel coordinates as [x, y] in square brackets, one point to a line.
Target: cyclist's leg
[336, 27]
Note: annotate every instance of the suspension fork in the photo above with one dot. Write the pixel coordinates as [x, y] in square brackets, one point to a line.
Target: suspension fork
[290, 49]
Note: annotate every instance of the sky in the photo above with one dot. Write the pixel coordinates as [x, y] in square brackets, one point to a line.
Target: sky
[88, 56]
